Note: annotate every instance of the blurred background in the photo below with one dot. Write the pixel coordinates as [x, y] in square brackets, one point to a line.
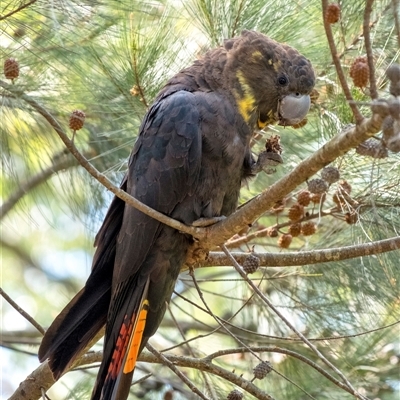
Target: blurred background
[109, 59]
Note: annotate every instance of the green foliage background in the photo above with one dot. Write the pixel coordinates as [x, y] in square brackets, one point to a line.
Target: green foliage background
[109, 59]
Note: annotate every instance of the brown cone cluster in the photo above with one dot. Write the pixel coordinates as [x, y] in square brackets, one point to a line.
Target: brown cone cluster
[308, 228]
[359, 72]
[76, 120]
[262, 370]
[294, 229]
[273, 232]
[251, 264]
[317, 197]
[296, 212]
[351, 217]
[304, 198]
[332, 13]
[285, 240]
[11, 68]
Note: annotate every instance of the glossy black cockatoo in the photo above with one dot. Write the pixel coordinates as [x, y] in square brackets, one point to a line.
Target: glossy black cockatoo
[190, 159]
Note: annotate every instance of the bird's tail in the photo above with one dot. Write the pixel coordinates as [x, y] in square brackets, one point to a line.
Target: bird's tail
[74, 328]
[86, 314]
[121, 351]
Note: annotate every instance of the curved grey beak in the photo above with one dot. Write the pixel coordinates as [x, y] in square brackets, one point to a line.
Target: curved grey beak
[293, 108]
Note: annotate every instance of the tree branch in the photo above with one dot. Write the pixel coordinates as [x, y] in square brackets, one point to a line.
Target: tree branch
[307, 257]
[266, 300]
[220, 232]
[336, 147]
[41, 377]
[69, 144]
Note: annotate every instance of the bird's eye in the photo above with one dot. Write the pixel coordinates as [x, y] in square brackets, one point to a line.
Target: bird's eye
[282, 80]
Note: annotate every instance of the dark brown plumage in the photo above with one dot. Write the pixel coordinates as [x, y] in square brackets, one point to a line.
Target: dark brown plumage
[189, 162]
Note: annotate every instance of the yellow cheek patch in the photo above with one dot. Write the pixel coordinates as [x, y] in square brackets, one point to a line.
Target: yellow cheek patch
[261, 124]
[270, 120]
[246, 101]
[246, 106]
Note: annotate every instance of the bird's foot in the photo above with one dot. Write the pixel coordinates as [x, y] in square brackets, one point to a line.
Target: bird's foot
[196, 255]
[267, 161]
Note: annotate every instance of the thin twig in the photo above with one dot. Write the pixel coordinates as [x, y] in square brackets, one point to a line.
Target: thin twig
[238, 241]
[291, 326]
[22, 312]
[293, 383]
[173, 368]
[396, 16]
[331, 41]
[368, 48]
[360, 35]
[189, 348]
[18, 9]
[135, 69]
[196, 232]
[217, 319]
[61, 163]
[281, 350]
[42, 377]
[237, 18]
[142, 379]
[202, 325]
[253, 209]
[17, 350]
[207, 366]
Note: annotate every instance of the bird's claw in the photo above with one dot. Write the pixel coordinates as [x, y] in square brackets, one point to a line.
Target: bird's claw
[266, 162]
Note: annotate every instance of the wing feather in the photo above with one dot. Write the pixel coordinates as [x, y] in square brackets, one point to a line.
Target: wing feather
[163, 168]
